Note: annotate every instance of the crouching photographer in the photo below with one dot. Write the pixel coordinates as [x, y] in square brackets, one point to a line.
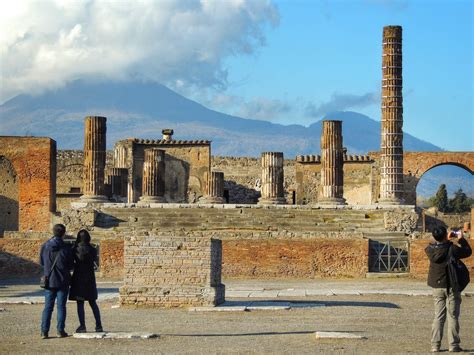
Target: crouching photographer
[448, 276]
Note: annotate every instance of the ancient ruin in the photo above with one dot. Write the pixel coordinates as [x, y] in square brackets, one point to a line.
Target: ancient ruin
[215, 191]
[391, 148]
[332, 173]
[94, 159]
[153, 186]
[157, 206]
[272, 179]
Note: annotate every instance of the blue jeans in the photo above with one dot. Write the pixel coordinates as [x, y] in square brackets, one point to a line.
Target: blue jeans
[82, 316]
[50, 297]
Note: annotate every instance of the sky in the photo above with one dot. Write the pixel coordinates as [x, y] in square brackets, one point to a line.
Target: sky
[288, 62]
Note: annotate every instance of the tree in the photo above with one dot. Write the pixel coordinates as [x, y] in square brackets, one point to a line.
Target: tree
[460, 202]
[440, 200]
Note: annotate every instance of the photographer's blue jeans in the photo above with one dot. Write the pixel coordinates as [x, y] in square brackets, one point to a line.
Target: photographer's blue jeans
[50, 296]
[82, 316]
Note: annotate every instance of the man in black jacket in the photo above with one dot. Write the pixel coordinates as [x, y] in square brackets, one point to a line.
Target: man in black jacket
[59, 278]
[446, 301]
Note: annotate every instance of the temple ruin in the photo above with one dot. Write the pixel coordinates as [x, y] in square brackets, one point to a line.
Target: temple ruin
[156, 206]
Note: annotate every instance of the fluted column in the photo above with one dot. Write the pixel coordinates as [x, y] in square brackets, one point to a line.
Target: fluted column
[94, 159]
[215, 188]
[153, 183]
[391, 149]
[332, 160]
[117, 178]
[272, 179]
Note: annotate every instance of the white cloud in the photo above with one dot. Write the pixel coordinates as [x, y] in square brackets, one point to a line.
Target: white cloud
[44, 44]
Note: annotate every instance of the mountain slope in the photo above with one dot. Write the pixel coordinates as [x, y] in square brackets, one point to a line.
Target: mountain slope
[143, 109]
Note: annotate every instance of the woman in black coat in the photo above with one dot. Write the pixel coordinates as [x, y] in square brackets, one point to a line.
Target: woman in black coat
[83, 285]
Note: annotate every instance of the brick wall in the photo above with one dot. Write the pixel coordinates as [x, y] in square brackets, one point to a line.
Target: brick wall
[298, 258]
[34, 161]
[419, 263]
[172, 270]
[20, 258]
[111, 258]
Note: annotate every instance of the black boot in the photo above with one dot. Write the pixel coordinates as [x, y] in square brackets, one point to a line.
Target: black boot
[81, 329]
[99, 329]
[44, 335]
[62, 334]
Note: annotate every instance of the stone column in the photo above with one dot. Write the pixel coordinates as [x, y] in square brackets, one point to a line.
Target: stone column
[153, 183]
[272, 179]
[94, 159]
[215, 189]
[332, 160]
[117, 178]
[391, 148]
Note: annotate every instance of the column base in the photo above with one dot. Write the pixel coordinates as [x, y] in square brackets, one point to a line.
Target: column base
[94, 198]
[212, 199]
[144, 200]
[391, 201]
[332, 201]
[272, 201]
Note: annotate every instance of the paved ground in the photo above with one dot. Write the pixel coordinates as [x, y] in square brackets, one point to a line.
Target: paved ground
[392, 323]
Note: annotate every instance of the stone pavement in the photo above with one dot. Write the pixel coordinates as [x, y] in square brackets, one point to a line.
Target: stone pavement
[23, 291]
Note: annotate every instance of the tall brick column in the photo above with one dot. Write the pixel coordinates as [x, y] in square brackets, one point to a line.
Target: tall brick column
[94, 159]
[272, 179]
[332, 160]
[215, 189]
[153, 186]
[391, 149]
[117, 178]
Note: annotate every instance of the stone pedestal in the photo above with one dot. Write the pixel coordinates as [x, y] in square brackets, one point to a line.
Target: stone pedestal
[391, 149]
[332, 160]
[272, 179]
[117, 179]
[153, 185]
[215, 191]
[94, 159]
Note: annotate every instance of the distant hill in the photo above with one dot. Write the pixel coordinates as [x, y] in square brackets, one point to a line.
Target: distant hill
[142, 109]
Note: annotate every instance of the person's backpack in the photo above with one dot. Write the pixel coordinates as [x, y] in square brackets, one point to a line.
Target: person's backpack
[457, 272]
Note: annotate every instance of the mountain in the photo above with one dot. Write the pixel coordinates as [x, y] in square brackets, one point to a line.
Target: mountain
[140, 109]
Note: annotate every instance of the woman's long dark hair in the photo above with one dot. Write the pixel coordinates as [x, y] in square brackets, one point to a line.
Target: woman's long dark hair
[83, 237]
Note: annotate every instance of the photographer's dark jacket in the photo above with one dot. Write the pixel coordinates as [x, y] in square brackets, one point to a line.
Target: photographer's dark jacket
[438, 255]
[61, 276]
[83, 284]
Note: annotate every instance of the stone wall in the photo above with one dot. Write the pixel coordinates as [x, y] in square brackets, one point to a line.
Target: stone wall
[111, 258]
[34, 163]
[433, 218]
[419, 263]
[358, 180]
[20, 257]
[295, 258]
[168, 270]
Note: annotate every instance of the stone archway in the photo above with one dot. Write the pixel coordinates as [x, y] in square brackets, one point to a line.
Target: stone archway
[416, 164]
[9, 207]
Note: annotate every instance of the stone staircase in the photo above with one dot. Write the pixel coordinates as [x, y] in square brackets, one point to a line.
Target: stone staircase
[244, 220]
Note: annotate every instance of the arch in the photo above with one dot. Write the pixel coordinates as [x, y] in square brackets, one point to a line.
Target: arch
[416, 164]
[9, 195]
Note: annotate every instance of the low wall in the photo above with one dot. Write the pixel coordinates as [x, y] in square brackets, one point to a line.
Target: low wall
[171, 271]
[419, 263]
[300, 258]
[20, 258]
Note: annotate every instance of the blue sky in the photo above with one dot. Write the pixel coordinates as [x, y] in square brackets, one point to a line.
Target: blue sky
[326, 48]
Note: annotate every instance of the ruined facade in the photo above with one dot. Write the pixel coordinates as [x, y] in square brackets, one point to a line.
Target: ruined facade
[188, 164]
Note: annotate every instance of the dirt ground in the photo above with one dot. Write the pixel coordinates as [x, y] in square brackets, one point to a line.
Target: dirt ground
[392, 324]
